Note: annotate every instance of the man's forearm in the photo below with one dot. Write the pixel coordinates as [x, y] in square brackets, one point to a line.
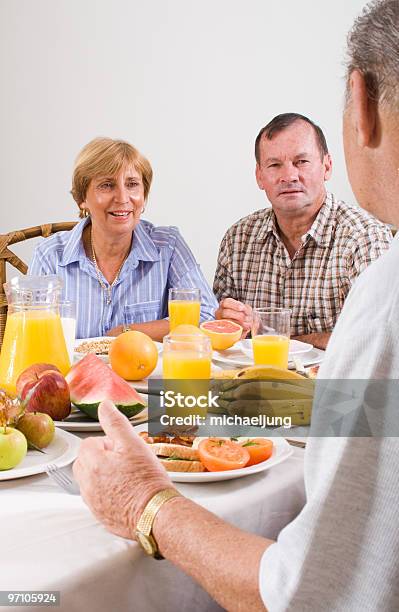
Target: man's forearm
[319, 340]
[223, 559]
[155, 329]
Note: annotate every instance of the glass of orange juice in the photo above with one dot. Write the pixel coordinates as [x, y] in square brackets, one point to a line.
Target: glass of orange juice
[184, 307]
[271, 336]
[187, 357]
[187, 367]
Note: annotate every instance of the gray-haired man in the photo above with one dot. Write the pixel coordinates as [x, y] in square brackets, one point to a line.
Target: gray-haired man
[342, 551]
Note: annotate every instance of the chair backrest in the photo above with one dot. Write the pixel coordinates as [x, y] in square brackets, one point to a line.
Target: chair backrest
[7, 256]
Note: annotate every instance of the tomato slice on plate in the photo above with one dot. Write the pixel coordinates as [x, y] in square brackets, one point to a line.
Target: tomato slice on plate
[219, 455]
[259, 450]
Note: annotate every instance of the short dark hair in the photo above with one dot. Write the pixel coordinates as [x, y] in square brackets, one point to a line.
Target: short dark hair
[283, 121]
[373, 50]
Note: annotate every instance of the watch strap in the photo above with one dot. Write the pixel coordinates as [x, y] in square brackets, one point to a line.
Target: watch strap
[146, 520]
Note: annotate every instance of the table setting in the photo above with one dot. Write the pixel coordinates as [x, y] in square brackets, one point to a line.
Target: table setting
[54, 543]
[66, 549]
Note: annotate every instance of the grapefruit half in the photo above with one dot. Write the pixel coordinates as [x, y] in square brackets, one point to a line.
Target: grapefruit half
[222, 333]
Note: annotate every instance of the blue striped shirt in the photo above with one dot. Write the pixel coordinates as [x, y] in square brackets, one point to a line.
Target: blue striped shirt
[159, 259]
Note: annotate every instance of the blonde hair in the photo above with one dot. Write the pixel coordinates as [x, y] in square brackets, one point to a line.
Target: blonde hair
[105, 156]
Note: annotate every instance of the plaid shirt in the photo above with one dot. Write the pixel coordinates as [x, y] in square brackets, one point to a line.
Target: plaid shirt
[254, 266]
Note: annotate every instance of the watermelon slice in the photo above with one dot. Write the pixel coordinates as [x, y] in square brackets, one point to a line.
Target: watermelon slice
[91, 381]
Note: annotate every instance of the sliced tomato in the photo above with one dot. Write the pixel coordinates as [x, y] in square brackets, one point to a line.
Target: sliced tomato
[219, 455]
[259, 450]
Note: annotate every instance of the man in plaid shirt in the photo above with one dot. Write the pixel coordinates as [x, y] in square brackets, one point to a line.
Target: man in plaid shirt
[305, 252]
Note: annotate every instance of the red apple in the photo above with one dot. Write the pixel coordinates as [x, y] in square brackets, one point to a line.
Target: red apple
[45, 390]
[37, 427]
[32, 374]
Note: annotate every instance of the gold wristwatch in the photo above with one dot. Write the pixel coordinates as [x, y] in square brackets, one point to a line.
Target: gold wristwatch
[144, 526]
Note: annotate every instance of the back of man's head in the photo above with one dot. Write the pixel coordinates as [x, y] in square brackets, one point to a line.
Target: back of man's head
[373, 50]
[284, 121]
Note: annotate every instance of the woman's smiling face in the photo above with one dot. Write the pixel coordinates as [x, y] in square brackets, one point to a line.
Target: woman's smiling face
[115, 203]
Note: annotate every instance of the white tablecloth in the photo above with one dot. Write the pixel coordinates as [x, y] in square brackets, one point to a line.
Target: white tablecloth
[50, 541]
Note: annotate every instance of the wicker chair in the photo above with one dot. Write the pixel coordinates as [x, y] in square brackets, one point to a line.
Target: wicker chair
[8, 256]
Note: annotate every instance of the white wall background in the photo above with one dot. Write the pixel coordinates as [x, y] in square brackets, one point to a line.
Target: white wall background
[189, 83]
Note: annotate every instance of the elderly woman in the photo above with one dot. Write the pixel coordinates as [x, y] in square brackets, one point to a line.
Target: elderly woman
[113, 264]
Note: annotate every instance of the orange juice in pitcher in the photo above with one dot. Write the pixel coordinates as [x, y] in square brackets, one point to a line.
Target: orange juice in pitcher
[33, 331]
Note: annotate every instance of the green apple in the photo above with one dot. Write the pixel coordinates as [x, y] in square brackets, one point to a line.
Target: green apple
[38, 428]
[13, 447]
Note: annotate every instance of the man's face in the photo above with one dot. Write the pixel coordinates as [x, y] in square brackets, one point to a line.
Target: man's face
[291, 170]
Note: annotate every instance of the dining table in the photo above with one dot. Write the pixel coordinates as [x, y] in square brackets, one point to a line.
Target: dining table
[51, 542]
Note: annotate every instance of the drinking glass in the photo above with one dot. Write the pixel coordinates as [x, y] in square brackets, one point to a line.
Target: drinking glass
[184, 307]
[187, 368]
[186, 357]
[271, 336]
[68, 322]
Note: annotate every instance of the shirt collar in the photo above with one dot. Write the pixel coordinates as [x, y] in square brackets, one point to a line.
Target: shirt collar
[269, 225]
[143, 248]
[73, 250]
[321, 229]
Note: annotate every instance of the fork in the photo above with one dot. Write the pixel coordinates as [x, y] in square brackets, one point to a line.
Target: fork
[296, 443]
[63, 479]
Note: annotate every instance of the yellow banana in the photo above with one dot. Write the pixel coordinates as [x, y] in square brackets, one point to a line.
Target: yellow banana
[298, 410]
[269, 372]
[275, 374]
[267, 389]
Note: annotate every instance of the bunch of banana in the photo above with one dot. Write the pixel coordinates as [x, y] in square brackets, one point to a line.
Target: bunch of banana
[265, 372]
[298, 410]
[272, 391]
[225, 374]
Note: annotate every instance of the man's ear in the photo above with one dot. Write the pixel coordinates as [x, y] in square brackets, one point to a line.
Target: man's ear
[363, 110]
[327, 166]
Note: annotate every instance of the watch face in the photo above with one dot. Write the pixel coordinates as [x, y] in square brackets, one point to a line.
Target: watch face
[145, 543]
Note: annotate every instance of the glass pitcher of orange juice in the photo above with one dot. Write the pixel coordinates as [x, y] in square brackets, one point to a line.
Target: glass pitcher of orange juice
[33, 332]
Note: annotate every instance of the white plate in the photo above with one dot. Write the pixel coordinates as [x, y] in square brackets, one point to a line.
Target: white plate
[281, 451]
[62, 451]
[241, 356]
[78, 421]
[78, 356]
